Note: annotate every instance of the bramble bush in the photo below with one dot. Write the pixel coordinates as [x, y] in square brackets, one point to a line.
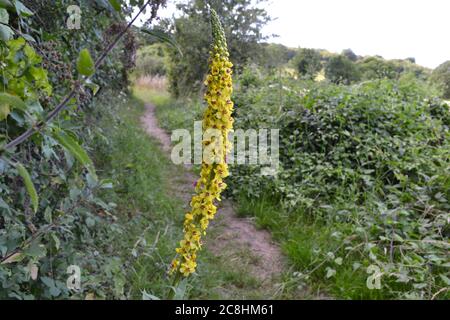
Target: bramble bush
[51, 214]
[369, 161]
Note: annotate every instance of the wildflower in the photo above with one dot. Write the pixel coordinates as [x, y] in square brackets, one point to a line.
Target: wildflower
[214, 168]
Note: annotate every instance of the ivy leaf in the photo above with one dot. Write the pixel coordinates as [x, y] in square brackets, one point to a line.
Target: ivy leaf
[72, 146]
[29, 186]
[85, 64]
[163, 37]
[116, 4]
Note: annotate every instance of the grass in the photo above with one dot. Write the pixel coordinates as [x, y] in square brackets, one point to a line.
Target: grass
[172, 114]
[313, 246]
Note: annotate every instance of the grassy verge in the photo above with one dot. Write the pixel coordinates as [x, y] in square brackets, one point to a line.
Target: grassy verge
[316, 249]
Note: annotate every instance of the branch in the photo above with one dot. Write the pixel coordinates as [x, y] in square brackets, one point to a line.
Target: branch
[28, 133]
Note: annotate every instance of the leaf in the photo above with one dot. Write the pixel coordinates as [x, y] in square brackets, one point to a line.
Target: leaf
[6, 4]
[85, 64]
[16, 257]
[330, 273]
[148, 296]
[445, 279]
[338, 261]
[106, 4]
[116, 4]
[4, 16]
[180, 290]
[56, 241]
[93, 86]
[4, 111]
[12, 101]
[29, 186]
[163, 37]
[5, 32]
[89, 296]
[72, 146]
[22, 10]
[33, 269]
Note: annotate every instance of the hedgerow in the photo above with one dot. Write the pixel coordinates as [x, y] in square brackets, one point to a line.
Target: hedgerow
[371, 162]
[51, 215]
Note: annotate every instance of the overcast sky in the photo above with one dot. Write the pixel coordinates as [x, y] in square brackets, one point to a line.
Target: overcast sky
[390, 28]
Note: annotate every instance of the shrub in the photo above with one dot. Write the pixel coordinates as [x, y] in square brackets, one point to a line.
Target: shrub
[441, 77]
[339, 69]
[371, 161]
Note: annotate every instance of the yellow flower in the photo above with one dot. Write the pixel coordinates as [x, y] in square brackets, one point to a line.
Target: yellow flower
[214, 169]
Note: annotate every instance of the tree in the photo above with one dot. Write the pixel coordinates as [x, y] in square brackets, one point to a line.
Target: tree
[350, 54]
[376, 68]
[340, 69]
[274, 55]
[441, 77]
[242, 21]
[308, 62]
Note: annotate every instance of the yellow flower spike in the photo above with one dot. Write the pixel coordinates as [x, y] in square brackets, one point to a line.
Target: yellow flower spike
[210, 185]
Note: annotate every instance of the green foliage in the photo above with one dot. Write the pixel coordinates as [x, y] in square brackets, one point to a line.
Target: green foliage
[275, 55]
[441, 77]
[350, 55]
[242, 21]
[29, 186]
[72, 146]
[378, 68]
[307, 62]
[151, 61]
[363, 175]
[85, 64]
[339, 69]
[73, 226]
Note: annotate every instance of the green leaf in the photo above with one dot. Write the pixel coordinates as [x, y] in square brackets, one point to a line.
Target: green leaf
[29, 186]
[116, 4]
[4, 16]
[12, 101]
[72, 146]
[163, 37]
[5, 32]
[22, 10]
[330, 272]
[445, 279]
[4, 111]
[148, 296]
[85, 64]
[93, 86]
[6, 4]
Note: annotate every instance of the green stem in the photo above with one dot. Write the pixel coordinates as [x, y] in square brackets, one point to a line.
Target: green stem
[175, 282]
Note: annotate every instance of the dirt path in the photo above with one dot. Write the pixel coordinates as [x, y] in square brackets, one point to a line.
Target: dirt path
[235, 240]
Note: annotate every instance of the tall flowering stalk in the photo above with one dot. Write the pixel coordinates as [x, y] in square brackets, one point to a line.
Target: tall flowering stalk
[217, 119]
